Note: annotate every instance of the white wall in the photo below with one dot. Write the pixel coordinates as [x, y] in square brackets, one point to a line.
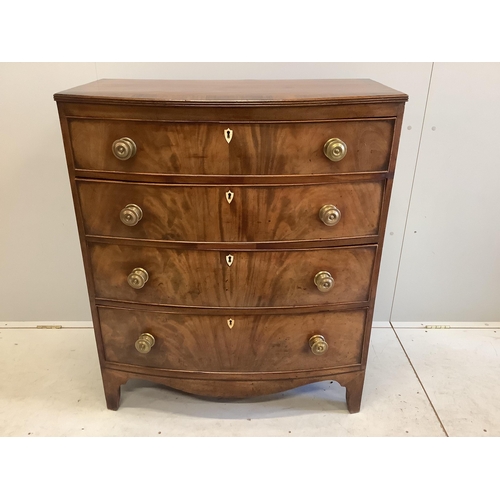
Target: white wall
[450, 265]
[40, 260]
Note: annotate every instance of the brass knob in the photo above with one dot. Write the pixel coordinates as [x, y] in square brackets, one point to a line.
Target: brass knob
[144, 343]
[138, 278]
[324, 281]
[335, 149]
[318, 345]
[124, 148]
[131, 215]
[330, 215]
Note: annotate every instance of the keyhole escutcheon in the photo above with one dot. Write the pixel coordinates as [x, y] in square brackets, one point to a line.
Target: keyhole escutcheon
[228, 135]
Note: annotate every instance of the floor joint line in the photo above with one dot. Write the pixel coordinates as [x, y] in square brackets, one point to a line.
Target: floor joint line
[421, 384]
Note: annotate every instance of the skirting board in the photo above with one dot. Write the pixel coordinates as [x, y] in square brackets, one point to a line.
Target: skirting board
[381, 324]
[45, 324]
[376, 324]
[88, 324]
[431, 325]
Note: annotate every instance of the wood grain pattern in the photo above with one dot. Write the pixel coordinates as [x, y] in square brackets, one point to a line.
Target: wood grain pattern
[254, 344]
[255, 149]
[233, 389]
[354, 390]
[238, 245]
[276, 168]
[169, 113]
[221, 92]
[383, 223]
[234, 180]
[202, 278]
[112, 381]
[256, 214]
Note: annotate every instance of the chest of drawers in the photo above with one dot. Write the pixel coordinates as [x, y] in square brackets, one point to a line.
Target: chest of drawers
[231, 231]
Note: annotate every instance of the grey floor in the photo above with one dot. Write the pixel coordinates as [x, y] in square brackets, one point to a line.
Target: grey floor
[418, 383]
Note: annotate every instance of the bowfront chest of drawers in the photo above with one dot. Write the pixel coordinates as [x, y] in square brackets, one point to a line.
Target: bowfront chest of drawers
[232, 230]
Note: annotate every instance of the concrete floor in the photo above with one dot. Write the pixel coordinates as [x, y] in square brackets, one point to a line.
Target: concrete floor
[418, 383]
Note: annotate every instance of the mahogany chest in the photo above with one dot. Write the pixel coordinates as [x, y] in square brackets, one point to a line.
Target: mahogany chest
[232, 231]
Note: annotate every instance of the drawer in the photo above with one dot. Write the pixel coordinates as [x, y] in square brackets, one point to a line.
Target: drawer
[255, 343]
[202, 213]
[254, 149]
[253, 278]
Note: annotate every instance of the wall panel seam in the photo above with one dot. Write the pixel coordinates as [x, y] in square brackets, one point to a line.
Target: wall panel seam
[411, 193]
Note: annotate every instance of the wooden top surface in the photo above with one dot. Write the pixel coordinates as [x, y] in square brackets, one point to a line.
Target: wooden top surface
[231, 92]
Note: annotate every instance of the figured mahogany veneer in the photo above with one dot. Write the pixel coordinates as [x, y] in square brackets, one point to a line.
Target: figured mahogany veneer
[255, 343]
[233, 93]
[256, 213]
[229, 179]
[256, 149]
[202, 278]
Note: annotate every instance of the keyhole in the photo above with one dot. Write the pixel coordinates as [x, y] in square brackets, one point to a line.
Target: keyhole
[228, 135]
[230, 322]
[229, 196]
[229, 260]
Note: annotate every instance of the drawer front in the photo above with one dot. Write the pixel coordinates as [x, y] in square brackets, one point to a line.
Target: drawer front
[188, 213]
[253, 344]
[254, 278]
[254, 149]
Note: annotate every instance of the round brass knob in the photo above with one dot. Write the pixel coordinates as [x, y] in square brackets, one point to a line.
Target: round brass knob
[335, 149]
[124, 148]
[144, 343]
[138, 278]
[318, 345]
[324, 281]
[329, 215]
[131, 215]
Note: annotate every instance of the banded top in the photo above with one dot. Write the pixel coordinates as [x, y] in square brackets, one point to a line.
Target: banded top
[231, 92]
